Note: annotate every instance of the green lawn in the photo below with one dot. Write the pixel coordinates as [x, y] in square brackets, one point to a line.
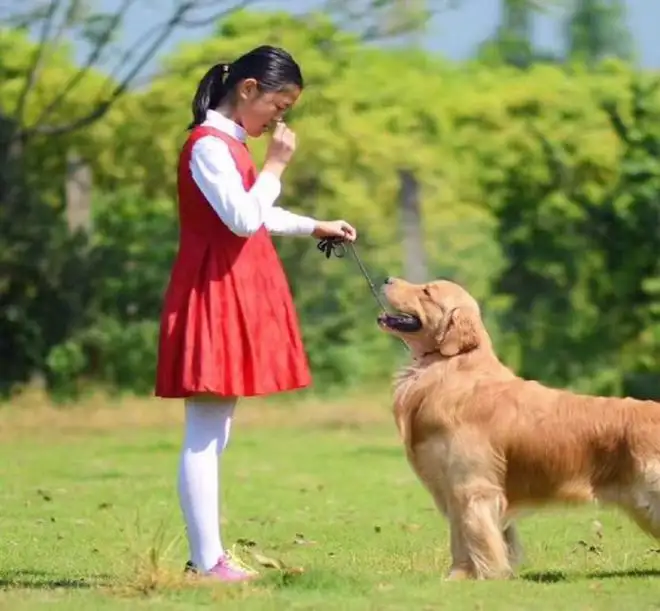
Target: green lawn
[90, 520]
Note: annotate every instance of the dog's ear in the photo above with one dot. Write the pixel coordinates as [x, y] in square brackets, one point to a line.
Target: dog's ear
[459, 334]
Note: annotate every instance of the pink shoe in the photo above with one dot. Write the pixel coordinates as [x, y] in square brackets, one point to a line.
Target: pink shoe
[226, 570]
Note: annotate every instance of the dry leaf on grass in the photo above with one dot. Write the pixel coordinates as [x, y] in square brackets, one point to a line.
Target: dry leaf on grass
[267, 562]
[301, 540]
[597, 528]
[277, 564]
[593, 549]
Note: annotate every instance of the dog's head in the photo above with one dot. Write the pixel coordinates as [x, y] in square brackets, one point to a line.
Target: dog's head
[436, 318]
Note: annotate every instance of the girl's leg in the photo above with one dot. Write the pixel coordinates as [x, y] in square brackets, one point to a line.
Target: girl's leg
[207, 427]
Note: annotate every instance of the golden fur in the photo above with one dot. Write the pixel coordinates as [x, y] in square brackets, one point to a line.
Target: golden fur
[488, 444]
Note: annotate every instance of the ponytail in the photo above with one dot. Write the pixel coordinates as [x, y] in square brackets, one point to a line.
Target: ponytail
[210, 91]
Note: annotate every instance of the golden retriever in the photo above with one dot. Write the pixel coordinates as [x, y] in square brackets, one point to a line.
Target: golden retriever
[488, 444]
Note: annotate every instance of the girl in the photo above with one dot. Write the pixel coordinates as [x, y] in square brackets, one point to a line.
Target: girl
[228, 327]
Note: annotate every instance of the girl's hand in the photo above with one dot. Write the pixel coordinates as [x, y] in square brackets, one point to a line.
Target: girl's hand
[335, 229]
[280, 149]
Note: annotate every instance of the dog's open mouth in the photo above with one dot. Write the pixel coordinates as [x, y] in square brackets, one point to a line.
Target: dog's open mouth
[407, 323]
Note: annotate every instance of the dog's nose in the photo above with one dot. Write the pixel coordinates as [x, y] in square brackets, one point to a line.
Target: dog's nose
[388, 280]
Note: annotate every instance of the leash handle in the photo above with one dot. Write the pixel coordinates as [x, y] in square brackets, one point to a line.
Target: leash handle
[332, 246]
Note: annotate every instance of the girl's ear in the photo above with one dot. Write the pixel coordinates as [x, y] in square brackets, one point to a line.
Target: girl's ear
[248, 89]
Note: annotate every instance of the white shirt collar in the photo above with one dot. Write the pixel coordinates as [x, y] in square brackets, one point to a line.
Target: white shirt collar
[225, 125]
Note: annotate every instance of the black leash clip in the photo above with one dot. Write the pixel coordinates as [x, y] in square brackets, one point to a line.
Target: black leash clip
[332, 246]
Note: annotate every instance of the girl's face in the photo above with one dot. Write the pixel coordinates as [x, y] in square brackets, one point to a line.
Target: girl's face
[256, 111]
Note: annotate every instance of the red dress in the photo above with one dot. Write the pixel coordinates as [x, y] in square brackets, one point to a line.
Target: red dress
[228, 324]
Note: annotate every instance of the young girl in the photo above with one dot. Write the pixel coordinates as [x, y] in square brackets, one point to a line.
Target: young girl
[228, 327]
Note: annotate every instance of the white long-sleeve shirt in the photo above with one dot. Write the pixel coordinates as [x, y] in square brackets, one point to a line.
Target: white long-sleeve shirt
[244, 212]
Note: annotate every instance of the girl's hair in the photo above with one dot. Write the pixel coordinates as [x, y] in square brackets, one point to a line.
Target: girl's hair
[273, 69]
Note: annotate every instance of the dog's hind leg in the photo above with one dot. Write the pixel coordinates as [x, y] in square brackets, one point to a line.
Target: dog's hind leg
[642, 500]
[477, 513]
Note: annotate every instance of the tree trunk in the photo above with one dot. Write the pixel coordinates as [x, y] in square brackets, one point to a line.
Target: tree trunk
[78, 194]
[415, 267]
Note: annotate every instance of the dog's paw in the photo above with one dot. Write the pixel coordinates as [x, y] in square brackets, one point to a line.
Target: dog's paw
[459, 574]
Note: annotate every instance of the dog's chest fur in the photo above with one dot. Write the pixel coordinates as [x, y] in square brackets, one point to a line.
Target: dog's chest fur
[410, 391]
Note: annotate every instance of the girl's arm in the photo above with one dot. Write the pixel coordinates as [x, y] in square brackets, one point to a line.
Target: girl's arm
[244, 212]
[283, 222]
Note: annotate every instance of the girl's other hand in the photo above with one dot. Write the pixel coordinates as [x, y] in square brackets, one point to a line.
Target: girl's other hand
[335, 229]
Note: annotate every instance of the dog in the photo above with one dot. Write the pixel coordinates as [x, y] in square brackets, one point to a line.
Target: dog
[489, 445]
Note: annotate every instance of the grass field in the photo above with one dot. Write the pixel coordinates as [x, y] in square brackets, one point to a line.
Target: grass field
[90, 519]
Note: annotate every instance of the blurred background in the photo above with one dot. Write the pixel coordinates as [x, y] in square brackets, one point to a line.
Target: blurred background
[512, 146]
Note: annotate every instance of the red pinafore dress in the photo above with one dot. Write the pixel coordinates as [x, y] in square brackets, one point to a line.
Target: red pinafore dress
[228, 325]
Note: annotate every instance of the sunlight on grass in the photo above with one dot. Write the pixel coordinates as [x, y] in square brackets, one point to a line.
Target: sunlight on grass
[317, 496]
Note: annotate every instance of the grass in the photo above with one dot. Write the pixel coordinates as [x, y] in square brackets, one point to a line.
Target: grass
[90, 519]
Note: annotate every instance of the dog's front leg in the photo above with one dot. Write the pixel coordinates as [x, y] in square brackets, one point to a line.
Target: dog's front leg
[513, 544]
[461, 566]
[479, 512]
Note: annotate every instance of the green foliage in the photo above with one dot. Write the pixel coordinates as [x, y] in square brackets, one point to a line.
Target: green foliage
[111, 353]
[537, 194]
[131, 249]
[574, 196]
[43, 159]
[133, 243]
[43, 281]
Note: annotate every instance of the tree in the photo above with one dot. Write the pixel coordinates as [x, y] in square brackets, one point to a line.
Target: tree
[596, 29]
[378, 20]
[512, 41]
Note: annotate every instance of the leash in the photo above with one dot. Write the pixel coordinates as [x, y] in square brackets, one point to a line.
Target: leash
[337, 247]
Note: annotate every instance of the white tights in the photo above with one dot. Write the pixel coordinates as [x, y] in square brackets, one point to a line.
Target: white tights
[207, 426]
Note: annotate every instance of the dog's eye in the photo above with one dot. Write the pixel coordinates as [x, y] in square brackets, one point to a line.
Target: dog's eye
[426, 291]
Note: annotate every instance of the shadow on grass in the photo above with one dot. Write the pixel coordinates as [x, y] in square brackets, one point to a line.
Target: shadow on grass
[632, 573]
[312, 580]
[545, 576]
[26, 579]
[561, 576]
